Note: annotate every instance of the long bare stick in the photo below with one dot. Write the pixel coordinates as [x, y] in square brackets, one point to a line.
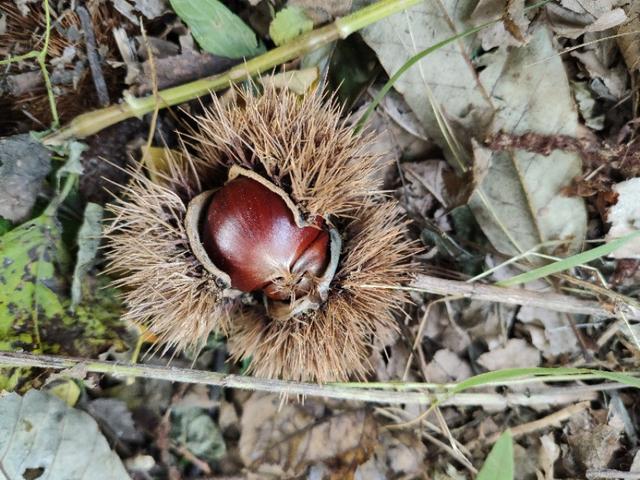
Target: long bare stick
[545, 396]
[517, 296]
[92, 122]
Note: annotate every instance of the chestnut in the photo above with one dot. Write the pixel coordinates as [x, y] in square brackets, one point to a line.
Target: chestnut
[268, 227]
[249, 233]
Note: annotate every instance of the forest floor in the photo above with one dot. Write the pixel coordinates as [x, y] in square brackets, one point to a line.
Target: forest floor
[510, 146]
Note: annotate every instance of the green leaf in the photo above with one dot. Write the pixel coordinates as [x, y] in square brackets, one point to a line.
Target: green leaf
[88, 243]
[217, 29]
[34, 303]
[193, 428]
[499, 462]
[32, 263]
[5, 225]
[288, 24]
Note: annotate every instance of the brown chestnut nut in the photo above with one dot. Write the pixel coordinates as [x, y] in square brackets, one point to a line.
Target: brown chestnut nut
[250, 233]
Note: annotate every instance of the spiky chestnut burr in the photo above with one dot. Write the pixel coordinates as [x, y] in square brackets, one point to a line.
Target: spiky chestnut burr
[303, 292]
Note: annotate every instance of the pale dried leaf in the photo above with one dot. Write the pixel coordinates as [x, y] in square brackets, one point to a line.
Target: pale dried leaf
[573, 18]
[628, 41]
[447, 367]
[39, 431]
[298, 81]
[608, 20]
[519, 204]
[150, 8]
[515, 354]
[635, 465]
[510, 31]
[624, 217]
[597, 65]
[592, 7]
[456, 88]
[547, 455]
[88, 243]
[586, 103]
[558, 337]
[518, 200]
[620, 419]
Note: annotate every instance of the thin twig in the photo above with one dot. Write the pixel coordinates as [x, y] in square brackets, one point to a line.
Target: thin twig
[542, 397]
[553, 419]
[613, 474]
[92, 55]
[517, 296]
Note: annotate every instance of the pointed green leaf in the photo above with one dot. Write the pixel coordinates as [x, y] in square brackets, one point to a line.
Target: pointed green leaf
[499, 462]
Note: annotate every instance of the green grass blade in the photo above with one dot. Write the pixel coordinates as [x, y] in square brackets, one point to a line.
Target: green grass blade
[567, 263]
[513, 373]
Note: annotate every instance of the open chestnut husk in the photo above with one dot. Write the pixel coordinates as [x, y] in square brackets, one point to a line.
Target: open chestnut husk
[270, 229]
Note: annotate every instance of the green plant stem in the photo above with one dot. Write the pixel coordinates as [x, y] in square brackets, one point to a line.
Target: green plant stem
[69, 181]
[41, 58]
[19, 58]
[42, 61]
[92, 122]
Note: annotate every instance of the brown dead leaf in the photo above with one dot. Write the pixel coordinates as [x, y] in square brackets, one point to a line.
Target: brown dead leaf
[630, 43]
[398, 455]
[592, 442]
[594, 448]
[322, 12]
[512, 29]
[286, 439]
